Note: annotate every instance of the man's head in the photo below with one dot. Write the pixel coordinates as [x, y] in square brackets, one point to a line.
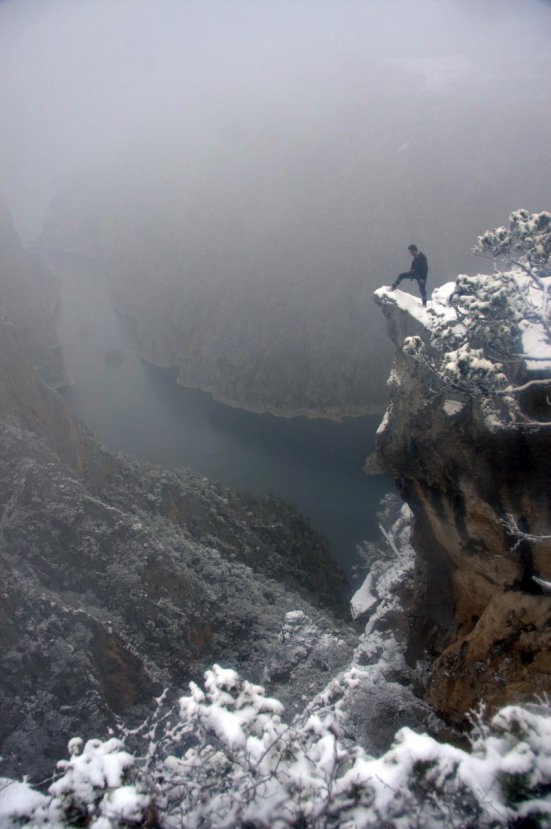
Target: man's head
[413, 250]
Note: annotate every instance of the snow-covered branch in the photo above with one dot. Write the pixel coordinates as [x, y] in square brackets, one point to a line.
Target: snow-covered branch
[531, 384]
[231, 762]
[512, 528]
[525, 243]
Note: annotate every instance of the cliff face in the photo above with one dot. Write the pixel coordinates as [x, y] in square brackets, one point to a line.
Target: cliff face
[120, 579]
[481, 613]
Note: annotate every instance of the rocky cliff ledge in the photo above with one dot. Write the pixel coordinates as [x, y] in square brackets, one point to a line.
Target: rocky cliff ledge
[467, 440]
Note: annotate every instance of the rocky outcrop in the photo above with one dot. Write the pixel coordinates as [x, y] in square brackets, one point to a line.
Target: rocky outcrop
[119, 579]
[482, 613]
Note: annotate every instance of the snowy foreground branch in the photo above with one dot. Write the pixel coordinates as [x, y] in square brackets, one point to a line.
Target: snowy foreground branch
[229, 760]
[512, 528]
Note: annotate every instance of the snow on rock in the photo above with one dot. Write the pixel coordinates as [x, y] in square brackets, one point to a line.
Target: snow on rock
[373, 695]
[536, 347]
[230, 759]
[480, 335]
[441, 312]
[383, 424]
[437, 306]
[18, 799]
[468, 368]
[453, 407]
[363, 599]
[295, 617]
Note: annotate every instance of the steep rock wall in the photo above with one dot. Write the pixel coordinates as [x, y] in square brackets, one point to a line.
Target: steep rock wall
[480, 615]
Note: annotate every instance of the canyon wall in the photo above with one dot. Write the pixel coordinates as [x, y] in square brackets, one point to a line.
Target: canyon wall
[483, 610]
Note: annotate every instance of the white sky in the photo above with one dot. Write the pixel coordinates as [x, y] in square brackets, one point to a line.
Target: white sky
[83, 80]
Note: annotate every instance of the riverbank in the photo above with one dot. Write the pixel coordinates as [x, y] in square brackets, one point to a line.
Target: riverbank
[313, 463]
[334, 414]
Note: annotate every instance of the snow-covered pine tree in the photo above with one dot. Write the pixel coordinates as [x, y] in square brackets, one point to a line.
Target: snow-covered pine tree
[526, 242]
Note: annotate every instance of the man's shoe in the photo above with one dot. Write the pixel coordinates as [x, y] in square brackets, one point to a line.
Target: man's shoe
[393, 287]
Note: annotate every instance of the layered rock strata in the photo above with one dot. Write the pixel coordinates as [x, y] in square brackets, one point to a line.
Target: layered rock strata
[483, 611]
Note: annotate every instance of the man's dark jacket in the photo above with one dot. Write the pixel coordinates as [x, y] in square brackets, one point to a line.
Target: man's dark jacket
[419, 266]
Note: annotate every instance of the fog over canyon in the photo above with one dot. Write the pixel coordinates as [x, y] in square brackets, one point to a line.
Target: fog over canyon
[233, 454]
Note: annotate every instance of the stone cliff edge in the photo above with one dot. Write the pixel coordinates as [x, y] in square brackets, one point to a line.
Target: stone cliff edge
[483, 609]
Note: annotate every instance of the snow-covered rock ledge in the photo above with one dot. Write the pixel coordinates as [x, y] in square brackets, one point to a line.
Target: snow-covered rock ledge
[401, 305]
[467, 437]
[406, 317]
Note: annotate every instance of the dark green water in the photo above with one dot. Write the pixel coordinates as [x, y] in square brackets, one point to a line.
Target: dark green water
[315, 464]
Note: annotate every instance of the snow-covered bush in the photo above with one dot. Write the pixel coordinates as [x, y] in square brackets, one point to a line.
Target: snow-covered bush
[525, 245]
[467, 365]
[525, 242]
[481, 348]
[235, 762]
[229, 761]
[93, 790]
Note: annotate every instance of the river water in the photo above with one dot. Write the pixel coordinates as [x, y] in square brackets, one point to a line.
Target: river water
[137, 409]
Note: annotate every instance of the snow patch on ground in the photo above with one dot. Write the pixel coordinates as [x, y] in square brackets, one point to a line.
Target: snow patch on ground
[536, 344]
[453, 407]
[384, 423]
[437, 307]
[536, 347]
[363, 599]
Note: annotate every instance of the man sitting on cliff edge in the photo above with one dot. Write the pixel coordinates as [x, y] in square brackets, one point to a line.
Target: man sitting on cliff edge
[419, 271]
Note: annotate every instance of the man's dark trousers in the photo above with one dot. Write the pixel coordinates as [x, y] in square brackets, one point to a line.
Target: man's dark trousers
[421, 280]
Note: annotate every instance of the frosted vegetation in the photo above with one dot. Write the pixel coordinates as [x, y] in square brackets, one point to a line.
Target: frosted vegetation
[231, 761]
[226, 756]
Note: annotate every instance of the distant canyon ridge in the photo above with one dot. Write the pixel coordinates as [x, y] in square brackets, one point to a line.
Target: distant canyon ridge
[262, 331]
[248, 261]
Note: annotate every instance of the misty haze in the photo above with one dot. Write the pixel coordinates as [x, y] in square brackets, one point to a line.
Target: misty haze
[198, 202]
[247, 174]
